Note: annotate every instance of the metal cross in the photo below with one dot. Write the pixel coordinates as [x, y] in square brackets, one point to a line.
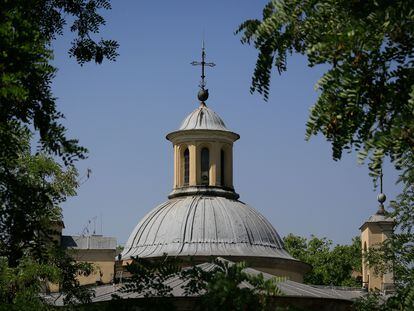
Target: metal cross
[203, 64]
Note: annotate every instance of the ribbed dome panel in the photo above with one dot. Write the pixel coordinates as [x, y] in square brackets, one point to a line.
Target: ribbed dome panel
[203, 118]
[204, 226]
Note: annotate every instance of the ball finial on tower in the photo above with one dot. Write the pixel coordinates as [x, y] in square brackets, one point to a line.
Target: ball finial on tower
[202, 95]
[381, 198]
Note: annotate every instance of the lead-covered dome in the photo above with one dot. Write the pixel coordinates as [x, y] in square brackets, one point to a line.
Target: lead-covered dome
[203, 118]
[203, 217]
[201, 225]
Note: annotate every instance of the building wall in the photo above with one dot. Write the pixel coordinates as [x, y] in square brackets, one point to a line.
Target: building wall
[103, 261]
[373, 234]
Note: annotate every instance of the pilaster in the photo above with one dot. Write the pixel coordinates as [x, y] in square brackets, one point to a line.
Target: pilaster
[194, 159]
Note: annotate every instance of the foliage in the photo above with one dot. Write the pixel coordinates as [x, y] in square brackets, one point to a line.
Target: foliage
[399, 250]
[226, 286]
[19, 287]
[26, 31]
[36, 185]
[68, 269]
[366, 95]
[330, 265]
[32, 185]
[397, 253]
[229, 287]
[373, 301]
[148, 277]
[119, 249]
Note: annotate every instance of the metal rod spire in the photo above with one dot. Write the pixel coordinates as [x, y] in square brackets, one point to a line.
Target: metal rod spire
[203, 64]
[381, 198]
[381, 181]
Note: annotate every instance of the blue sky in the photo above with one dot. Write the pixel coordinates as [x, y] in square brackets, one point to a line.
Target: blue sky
[121, 111]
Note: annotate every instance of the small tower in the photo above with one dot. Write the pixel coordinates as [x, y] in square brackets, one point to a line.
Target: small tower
[203, 155]
[203, 149]
[374, 231]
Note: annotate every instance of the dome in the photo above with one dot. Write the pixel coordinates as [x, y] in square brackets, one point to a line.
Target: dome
[203, 217]
[203, 118]
[202, 225]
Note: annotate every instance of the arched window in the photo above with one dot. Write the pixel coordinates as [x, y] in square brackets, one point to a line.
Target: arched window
[223, 167]
[205, 166]
[186, 167]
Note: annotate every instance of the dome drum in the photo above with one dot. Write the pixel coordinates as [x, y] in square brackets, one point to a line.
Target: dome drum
[189, 146]
[203, 163]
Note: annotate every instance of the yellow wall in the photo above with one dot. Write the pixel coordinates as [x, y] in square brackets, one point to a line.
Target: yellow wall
[103, 261]
[373, 234]
[195, 142]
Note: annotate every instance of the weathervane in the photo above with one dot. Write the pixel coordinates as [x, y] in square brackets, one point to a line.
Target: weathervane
[203, 93]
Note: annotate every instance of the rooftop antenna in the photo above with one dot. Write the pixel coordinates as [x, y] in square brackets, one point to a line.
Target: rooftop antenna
[203, 92]
[381, 197]
[86, 231]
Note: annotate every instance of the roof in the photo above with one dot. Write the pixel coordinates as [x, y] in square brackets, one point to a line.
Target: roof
[203, 118]
[287, 287]
[380, 218]
[88, 242]
[204, 225]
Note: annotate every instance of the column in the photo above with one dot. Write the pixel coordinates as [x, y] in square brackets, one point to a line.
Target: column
[219, 182]
[229, 167]
[214, 161]
[194, 158]
[176, 167]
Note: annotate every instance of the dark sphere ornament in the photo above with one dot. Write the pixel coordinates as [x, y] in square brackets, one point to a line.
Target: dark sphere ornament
[381, 198]
[202, 95]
